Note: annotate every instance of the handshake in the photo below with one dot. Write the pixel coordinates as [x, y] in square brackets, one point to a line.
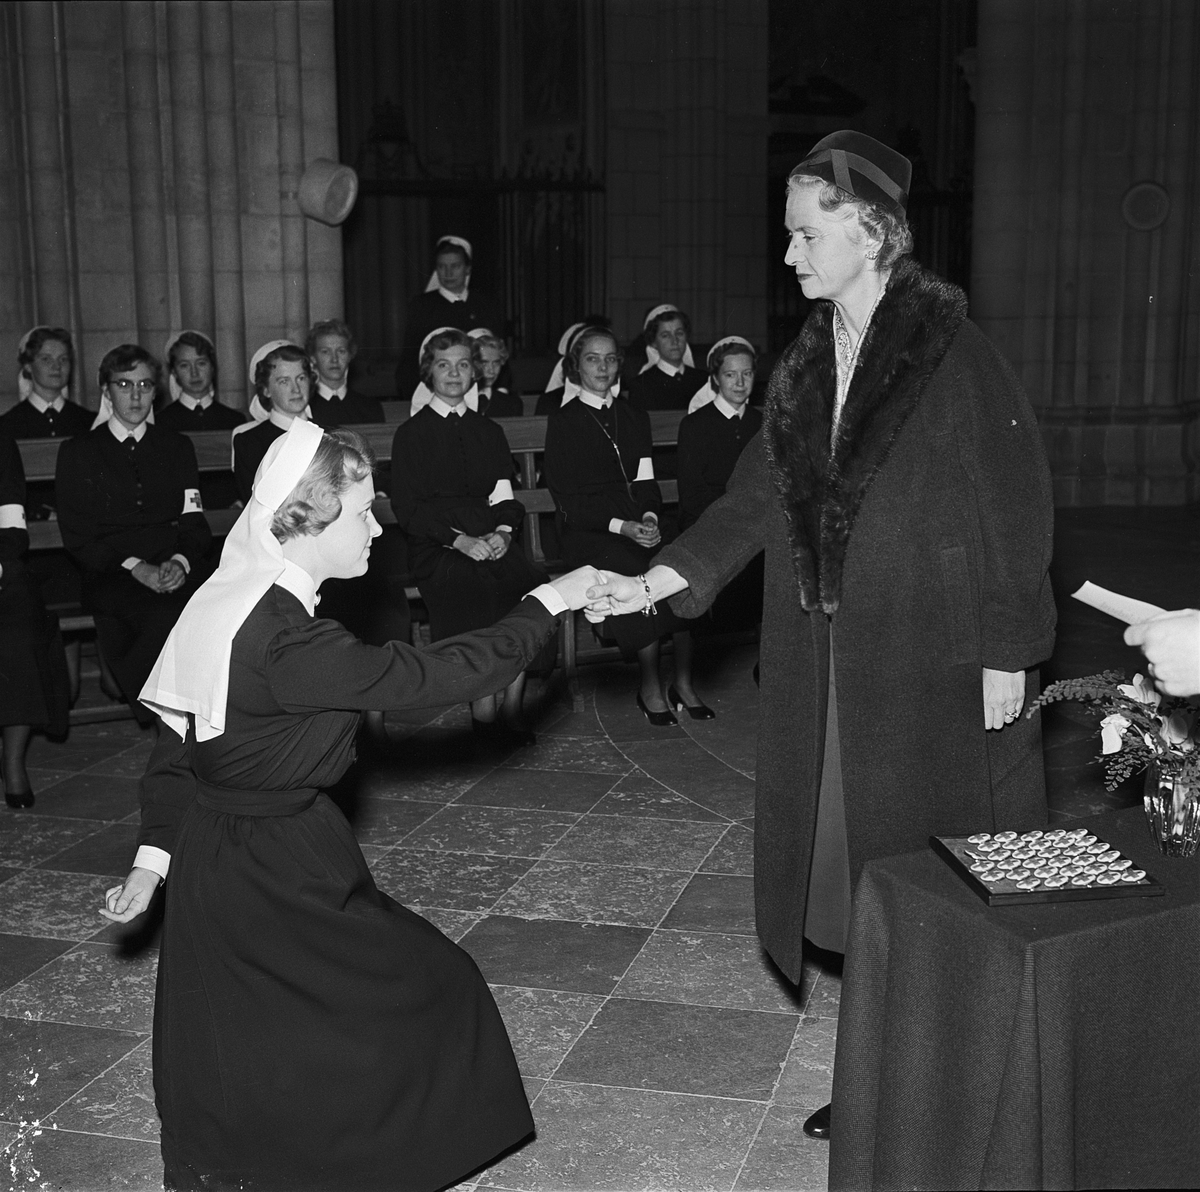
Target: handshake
[601, 593]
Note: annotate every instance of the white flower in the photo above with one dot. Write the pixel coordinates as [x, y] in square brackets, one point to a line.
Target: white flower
[1141, 690]
[1112, 728]
[1177, 730]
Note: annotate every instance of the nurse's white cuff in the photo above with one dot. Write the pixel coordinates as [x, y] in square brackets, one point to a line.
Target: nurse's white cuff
[614, 525]
[12, 517]
[155, 859]
[502, 492]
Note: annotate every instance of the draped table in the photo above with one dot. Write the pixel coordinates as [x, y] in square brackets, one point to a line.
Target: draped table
[1044, 1046]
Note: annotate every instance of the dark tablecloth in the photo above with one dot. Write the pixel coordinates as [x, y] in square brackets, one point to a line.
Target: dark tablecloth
[1046, 1046]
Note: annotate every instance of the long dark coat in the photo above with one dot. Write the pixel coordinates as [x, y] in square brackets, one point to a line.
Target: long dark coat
[923, 544]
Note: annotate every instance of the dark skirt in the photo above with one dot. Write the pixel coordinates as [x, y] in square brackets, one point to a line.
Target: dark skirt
[615, 552]
[34, 688]
[463, 595]
[309, 1032]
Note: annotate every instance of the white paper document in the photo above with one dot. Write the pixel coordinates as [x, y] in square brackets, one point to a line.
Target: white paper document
[1124, 608]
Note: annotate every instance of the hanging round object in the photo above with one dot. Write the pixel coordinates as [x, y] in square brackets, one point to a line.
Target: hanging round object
[328, 190]
[1146, 206]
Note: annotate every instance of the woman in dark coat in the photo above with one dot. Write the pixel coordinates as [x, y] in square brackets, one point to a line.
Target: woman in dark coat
[901, 493]
[33, 668]
[453, 497]
[599, 468]
[310, 1033]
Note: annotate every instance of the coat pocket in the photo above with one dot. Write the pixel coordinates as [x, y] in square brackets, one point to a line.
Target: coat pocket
[959, 605]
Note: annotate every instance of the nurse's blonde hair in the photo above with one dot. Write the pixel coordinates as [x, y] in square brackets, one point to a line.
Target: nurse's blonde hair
[342, 459]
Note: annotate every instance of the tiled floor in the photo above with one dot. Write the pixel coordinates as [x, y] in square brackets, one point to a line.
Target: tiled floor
[601, 879]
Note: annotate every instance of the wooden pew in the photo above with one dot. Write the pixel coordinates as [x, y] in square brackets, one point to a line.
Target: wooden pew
[526, 439]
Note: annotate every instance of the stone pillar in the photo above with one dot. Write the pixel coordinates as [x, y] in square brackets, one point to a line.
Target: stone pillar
[156, 152]
[687, 130]
[1088, 285]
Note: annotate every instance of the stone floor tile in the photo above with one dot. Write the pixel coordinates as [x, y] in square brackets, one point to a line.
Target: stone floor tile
[453, 881]
[109, 851]
[58, 905]
[8, 1131]
[452, 924]
[425, 782]
[377, 820]
[500, 831]
[584, 723]
[691, 771]
[42, 779]
[783, 1159]
[70, 1162]
[21, 955]
[592, 1138]
[576, 755]
[705, 969]
[654, 844]
[734, 852]
[47, 1062]
[543, 1024]
[90, 796]
[118, 1102]
[129, 764]
[593, 893]
[704, 1050]
[91, 741]
[825, 998]
[92, 985]
[638, 794]
[27, 839]
[807, 1078]
[539, 790]
[549, 954]
[715, 902]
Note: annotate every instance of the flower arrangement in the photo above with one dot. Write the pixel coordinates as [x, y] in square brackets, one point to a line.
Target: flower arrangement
[1140, 726]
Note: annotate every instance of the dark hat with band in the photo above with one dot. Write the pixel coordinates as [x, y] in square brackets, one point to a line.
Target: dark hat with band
[861, 166]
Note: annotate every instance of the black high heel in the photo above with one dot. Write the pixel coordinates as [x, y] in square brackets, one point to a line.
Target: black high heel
[695, 711]
[658, 719]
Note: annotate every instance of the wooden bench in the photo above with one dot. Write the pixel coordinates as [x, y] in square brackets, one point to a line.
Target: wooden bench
[526, 439]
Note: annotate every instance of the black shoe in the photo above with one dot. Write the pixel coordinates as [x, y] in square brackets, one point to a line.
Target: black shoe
[754, 673]
[695, 711]
[18, 799]
[658, 719]
[817, 1125]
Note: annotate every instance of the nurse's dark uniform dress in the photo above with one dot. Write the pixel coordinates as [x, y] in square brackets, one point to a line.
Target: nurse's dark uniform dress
[309, 1031]
[33, 667]
[591, 467]
[186, 415]
[330, 408]
[709, 446]
[444, 469]
[656, 389]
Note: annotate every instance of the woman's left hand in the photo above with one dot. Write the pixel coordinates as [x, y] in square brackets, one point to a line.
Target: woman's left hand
[1003, 697]
[499, 541]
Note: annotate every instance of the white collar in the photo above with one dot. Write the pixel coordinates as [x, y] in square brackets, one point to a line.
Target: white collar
[328, 394]
[121, 432]
[190, 403]
[597, 403]
[452, 297]
[297, 581]
[730, 411]
[672, 370]
[444, 409]
[41, 405]
[283, 421]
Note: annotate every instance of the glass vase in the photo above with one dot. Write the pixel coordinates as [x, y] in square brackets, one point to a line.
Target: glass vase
[1172, 812]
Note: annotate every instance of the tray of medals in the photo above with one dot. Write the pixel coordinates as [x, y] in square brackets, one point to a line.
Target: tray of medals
[1053, 866]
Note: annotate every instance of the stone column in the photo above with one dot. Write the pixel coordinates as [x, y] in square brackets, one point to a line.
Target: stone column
[1088, 281]
[156, 152]
[686, 161]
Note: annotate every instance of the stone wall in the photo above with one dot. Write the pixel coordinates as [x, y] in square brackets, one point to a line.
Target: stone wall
[686, 153]
[1089, 286]
[154, 152]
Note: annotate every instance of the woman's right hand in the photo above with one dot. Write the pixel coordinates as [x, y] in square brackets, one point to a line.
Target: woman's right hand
[127, 901]
[644, 533]
[474, 548]
[573, 587]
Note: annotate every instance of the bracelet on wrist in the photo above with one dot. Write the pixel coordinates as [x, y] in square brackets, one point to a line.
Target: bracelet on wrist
[649, 610]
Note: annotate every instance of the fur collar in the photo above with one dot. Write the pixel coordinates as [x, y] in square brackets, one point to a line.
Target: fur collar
[910, 333]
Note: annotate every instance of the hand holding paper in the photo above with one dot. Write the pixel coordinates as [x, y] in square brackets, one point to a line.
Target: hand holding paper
[1171, 643]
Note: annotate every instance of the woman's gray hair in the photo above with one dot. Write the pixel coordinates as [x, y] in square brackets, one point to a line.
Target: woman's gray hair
[880, 224]
[341, 459]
